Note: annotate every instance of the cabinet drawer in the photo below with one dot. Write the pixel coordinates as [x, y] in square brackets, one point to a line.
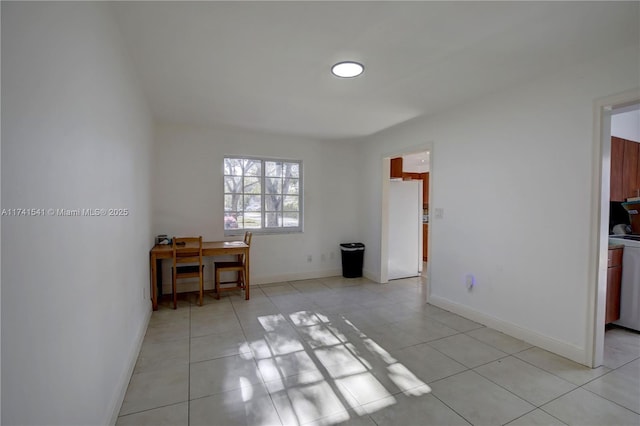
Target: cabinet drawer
[615, 257]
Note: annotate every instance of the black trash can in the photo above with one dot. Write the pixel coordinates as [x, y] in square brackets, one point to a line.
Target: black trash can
[352, 259]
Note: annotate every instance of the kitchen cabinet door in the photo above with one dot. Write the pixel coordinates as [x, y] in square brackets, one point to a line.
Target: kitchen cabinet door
[425, 245]
[614, 281]
[617, 155]
[411, 176]
[612, 311]
[630, 187]
[425, 188]
[637, 191]
[396, 167]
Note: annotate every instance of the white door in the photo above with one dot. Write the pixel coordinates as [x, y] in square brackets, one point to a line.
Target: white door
[405, 228]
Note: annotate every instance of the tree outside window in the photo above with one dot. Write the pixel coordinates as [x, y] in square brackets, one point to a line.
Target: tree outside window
[262, 194]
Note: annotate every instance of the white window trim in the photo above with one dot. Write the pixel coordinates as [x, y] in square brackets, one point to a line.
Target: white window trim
[263, 230]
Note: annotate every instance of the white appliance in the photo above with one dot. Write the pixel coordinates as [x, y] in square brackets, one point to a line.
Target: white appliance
[405, 228]
[630, 286]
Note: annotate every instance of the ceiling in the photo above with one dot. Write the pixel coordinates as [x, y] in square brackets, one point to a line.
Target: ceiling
[266, 65]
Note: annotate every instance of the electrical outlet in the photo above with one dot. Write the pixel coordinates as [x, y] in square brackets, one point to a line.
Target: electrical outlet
[439, 213]
[309, 258]
[470, 281]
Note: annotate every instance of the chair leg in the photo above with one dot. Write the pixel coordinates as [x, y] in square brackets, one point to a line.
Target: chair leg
[240, 279]
[201, 287]
[245, 286]
[217, 284]
[173, 287]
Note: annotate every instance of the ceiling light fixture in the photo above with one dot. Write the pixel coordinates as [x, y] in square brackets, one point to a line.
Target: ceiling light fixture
[347, 69]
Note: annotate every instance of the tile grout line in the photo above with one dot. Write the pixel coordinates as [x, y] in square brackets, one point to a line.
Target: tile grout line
[520, 397]
[550, 372]
[537, 408]
[262, 381]
[561, 378]
[603, 397]
[497, 359]
[339, 290]
[488, 379]
[451, 408]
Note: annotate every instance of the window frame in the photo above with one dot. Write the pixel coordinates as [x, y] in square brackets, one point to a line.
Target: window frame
[263, 230]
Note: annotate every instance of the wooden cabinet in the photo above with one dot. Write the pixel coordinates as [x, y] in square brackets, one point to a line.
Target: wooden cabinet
[396, 167]
[614, 278]
[617, 155]
[411, 176]
[425, 189]
[630, 170]
[425, 245]
[625, 169]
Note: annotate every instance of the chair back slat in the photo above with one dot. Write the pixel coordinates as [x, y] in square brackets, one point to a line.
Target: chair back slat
[188, 259]
[187, 250]
[239, 266]
[247, 241]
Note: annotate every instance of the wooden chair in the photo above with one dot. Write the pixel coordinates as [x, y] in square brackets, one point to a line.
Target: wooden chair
[237, 266]
[187, 250]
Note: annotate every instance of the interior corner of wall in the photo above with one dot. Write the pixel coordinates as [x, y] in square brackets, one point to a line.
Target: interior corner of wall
[372, 276]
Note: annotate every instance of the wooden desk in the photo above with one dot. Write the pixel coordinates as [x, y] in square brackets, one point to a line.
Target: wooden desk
[209, 249]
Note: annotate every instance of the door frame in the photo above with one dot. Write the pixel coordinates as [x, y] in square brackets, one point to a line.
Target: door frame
[384, 204]
[602, 111]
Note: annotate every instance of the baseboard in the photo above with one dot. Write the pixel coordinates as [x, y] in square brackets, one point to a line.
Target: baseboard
[268, 279]
[126, 376]
[186, 285]
[558, 347]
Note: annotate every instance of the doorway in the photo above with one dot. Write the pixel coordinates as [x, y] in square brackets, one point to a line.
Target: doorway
[604, 109]
[416, 162]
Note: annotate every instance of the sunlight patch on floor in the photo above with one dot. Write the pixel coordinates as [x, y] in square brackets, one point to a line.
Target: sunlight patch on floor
[320, 374]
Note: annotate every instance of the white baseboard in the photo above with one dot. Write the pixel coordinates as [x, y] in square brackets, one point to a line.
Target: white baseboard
[192, 285]
[126, 376]
[567, 350]
[268, 279]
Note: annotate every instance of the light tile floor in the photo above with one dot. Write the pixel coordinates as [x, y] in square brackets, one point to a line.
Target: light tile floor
[353, 352]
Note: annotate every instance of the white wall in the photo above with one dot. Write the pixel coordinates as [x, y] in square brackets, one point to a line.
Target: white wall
[76, 134]
[0, 231]
[188, 197]
[513, 173]
[626, 125]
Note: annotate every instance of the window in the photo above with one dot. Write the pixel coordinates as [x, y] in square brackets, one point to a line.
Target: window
[262, 195]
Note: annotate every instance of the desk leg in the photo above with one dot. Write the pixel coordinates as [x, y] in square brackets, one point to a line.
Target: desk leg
[154, 288]
[246, 277]
[159, 280]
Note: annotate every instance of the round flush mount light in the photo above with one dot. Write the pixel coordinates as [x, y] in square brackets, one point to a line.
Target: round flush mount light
[347, 69]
